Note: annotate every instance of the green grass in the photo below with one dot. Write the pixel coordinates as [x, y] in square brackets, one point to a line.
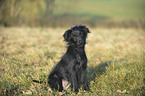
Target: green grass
[99, 13]
[109, 9]
[116, 60]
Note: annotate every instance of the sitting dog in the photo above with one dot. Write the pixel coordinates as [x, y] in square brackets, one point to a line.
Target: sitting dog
[72, 67]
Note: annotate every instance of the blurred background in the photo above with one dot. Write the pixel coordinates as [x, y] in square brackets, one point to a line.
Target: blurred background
[64, 13]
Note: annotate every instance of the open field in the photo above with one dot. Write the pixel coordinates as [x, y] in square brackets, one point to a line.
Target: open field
[116, 60]
[100, 13]
[107, 9]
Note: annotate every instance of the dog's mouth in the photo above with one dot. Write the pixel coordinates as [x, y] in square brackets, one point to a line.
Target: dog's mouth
[80, 45]
[76, 45]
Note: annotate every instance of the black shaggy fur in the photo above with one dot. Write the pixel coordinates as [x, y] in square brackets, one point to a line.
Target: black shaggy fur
[72, 66]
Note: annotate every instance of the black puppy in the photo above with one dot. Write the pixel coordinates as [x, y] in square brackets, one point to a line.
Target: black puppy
[72, 66]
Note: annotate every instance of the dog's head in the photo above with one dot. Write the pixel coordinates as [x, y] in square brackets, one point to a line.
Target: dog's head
[76, 35]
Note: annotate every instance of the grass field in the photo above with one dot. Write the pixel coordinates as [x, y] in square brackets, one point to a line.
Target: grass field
[107, 9]
[99, 13]
[116, 61]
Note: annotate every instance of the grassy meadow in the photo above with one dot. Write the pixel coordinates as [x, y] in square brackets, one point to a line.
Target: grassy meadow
[116, 61]
[99, 13]
[62, 13]
[107, 9]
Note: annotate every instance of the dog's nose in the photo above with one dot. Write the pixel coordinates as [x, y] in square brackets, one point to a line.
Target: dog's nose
[80, 42]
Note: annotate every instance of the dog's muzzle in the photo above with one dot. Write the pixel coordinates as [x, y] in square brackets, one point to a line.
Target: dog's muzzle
[80, 43]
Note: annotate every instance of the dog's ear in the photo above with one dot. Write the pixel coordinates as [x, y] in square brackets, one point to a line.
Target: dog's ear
[67, 35]
[84, 28]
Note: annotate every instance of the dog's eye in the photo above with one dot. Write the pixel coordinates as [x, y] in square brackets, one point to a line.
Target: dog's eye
[81, 34]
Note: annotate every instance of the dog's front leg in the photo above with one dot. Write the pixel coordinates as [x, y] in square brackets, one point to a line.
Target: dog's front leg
[84, 80]
[74, 83]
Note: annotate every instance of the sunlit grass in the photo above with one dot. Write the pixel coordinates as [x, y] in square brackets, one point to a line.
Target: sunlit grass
[115, 60]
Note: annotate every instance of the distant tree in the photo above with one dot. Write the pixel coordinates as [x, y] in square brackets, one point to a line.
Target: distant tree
[16, 12]
[49, 6]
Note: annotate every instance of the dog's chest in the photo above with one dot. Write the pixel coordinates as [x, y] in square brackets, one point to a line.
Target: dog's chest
[79, 58]
[81, 61]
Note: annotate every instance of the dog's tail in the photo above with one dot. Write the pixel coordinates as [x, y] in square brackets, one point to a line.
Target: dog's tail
[36, 81]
